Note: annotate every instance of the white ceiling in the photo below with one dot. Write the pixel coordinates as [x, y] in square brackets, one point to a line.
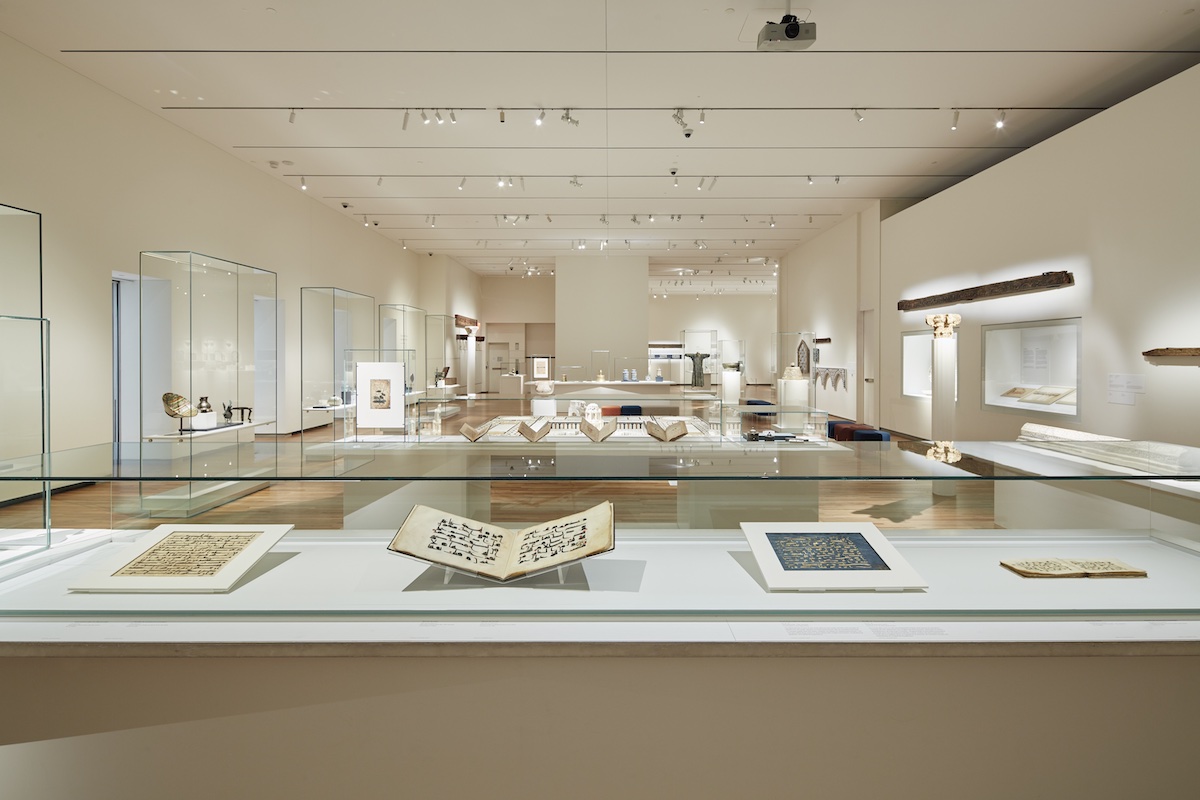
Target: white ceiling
[232, 72]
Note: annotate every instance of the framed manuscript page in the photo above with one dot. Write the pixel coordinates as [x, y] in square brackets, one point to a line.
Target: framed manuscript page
[819, 557]
[183, 558]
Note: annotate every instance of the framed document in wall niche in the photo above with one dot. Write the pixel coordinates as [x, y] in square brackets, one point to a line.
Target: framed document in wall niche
[1033, 367]
[540, 368]
[823, 557]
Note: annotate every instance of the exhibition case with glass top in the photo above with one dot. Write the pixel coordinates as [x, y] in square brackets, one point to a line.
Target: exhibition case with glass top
[208, 378]
[699, 527]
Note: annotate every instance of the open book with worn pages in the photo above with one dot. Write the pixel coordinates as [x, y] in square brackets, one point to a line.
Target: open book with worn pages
[1073, 568]
[501, 554]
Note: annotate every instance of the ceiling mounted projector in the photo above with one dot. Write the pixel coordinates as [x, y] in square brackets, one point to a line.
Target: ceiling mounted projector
[786, 35]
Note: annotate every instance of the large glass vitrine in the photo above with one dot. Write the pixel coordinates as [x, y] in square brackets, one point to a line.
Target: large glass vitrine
[208, 379]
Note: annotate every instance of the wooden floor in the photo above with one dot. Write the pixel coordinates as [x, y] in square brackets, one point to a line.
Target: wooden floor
[319, 506]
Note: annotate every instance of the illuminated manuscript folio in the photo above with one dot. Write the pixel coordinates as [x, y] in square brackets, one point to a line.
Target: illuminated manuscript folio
[500, 554]
[182, 558]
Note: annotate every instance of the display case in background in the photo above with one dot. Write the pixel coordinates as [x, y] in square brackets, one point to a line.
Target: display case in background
[402, 328]
[332, 322]
[443, 357]
[916, 363]
[794, 369]
[666, 360]
[25, 434]
[731, 353]
[1033, 367]
[600, 365]
[209, 337]
[630, 368]
[697, 343]
[791, 425]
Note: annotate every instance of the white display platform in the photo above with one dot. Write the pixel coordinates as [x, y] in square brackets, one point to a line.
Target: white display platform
[698, 575]
[180, 437]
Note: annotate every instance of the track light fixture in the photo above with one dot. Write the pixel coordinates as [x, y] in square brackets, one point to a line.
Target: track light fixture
[365, 223]
[548, 218]
[424, 118]
[522, 179]
[438, 116]
[510, 181]
[954, 122]
[702, 116]
[810, 180]
[837, 179]
[772, 222]
[292, 115]
[567, 118]
[541, 117]
[712, 183]
[700, 185]
[433, 221]
[857, 115]
[380, 181]
[634, 220]
[403, 245]
[582, 244]
[500, 183]
[461, 184]
[502, 115]
[676, 181]
[678, 117]
[702, 218]
[652, 218]
[453, 119]
[604, 219]
[303, 184]
[575, 182]
[404, 124]
[1000, 119]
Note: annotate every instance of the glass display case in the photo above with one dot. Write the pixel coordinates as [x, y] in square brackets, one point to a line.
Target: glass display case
[25, 435]
[332, 321]
[666, 361]
[403, 328]
[700, 354]
[600, 363]
[916, 363]
[443, 356]
[794, 384]
[791, 425]
[679, 507]
[1033, 367]
[208, 380]
[731, 353]
[630, 368]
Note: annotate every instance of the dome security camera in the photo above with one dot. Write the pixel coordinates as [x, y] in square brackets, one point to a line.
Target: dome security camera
[674, 171]
[687, 133]
[345, 205]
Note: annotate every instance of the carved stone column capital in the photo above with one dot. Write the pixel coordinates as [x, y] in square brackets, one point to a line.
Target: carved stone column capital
[943, 324]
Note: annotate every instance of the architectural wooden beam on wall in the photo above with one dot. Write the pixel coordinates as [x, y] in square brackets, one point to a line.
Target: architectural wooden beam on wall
[1035, 283]
[465, 322]
[1173, 356]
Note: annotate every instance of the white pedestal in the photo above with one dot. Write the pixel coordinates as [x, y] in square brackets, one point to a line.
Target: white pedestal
[205, 421]
[731, 387]
[793, 392]
[512, 385]
[543, 406]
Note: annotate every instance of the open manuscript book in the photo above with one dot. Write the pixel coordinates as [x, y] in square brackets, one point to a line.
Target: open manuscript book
[500, 554]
